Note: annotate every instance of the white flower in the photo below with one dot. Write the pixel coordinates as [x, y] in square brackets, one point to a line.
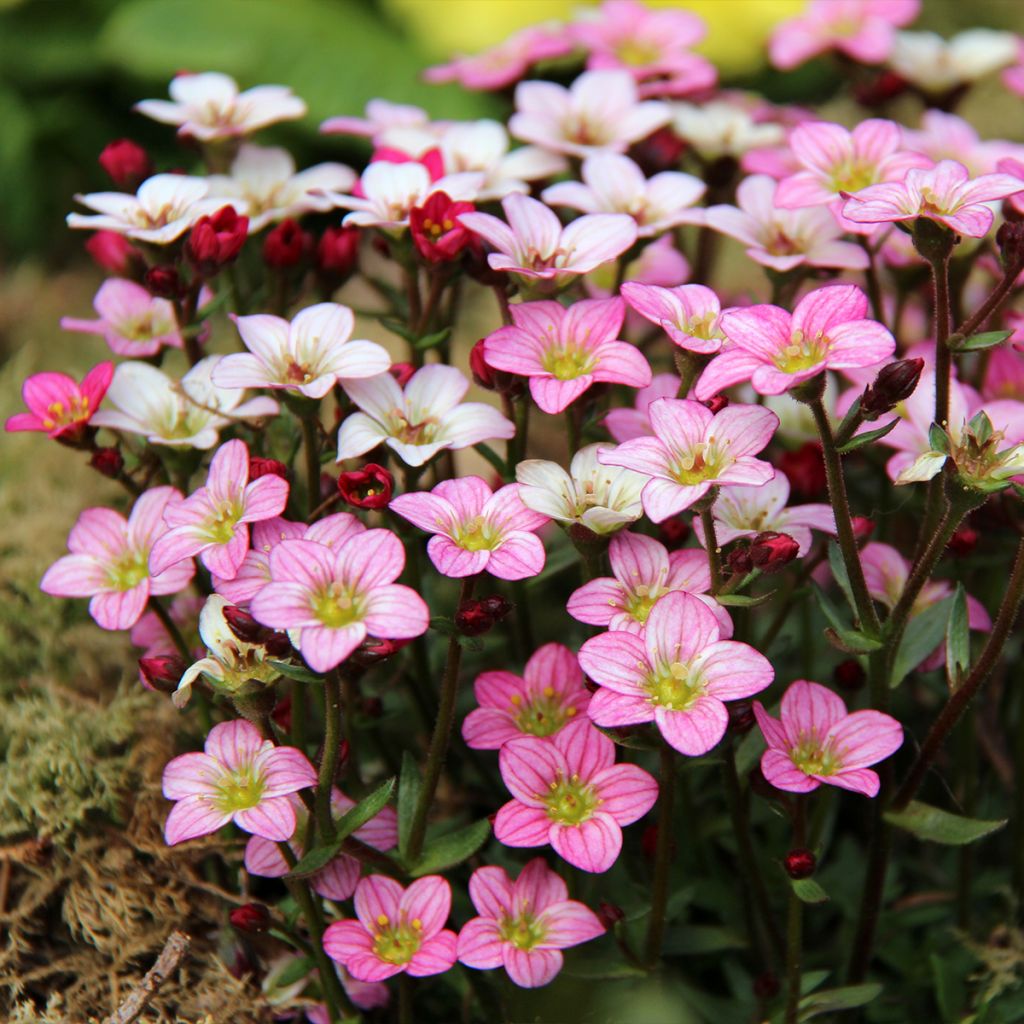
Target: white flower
[601, 498]
[182, 414]
[209, 106]
[938, 65]
[720, 129]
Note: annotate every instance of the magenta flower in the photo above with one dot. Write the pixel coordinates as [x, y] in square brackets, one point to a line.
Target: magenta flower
[213, 521]
[563, 351]
[475, 530]
[337, 879]
[131, 321]
[549, 694]
[534, 244]
[944, 193]
[775, 350]
[689, 314]
[239, 777]
[568, 791]
[336, 597]
[644, 572]
[57, 405]
[523, 925]
[625, 424]
[693, 450]
[109, 561]
[397, 930]
[677, 674]
[818, 742]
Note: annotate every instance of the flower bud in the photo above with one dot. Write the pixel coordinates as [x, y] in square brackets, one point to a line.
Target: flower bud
[266, 467]
[107, 461]
[894, 383]
[849, 675]
[673, 532]
[738, 560]
[436, 230]
[253, 918]
[800, 863]
[337, 253]
[771, 551]
[375, 649]
[127, 163]
[285, 246]
[162, 672]
[473, 619]
[163, 282]
[862, 528]
[216, 241]
[660, 151]
[880, 90]
[402, 372]
[113, 252]
[282, 713]
[741, 716]
[610, 914]
[963, 541]
[496, 606]
[483, 374]
[805, 469]
[244, 626]
[369, 487]
[716, 403]
[1010, 239]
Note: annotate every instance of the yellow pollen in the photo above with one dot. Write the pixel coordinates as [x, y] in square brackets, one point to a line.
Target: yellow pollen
[571, 713]
[417, 923]
[549, 691]
[516, 699]
[382, 919]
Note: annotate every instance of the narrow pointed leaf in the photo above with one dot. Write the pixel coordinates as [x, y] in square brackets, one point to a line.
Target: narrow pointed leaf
[867, 437]
[935, 825]
[408, 794]
[923, 634]
[977, 342]
[807, 890]
[958, 639]
[451, 849]
[299, 673]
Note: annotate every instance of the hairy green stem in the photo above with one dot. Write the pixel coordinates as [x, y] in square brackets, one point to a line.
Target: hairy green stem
[707, 521]
[794, 924]
[171, 626]
[311, 446]
[662, 858]
[331, 755]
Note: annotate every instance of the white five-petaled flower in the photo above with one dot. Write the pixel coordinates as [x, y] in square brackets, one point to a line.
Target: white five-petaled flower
[936, 65]
[721, 128]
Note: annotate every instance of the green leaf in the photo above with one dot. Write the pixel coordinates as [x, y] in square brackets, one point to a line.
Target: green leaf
[367, 808]
[432, 340]
[744, 600]
[923, 634]
[851, 641]
[405, 332]
[849, 424]
[867, 437]
[408, 793]
[451, 849]
[977, 342]
[295, 971]
[830, 999]
[315, 859]
[935, 825]
[981, 426]
[299, 673]
[493, 458]
[695, 939]
[807, 890]
[938, 439]
[958, 639]
[829, 608]
[838, 566]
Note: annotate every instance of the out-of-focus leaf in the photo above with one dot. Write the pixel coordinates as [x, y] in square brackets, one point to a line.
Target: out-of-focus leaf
[299, 673]
[408, 794]
[938, 826]
[923, 634]
[851, 641]
[831, 999]
[808, 890]
[451, 849]
[867, 437]
[958, 639]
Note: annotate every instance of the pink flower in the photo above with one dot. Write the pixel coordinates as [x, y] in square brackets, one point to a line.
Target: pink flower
[132, 322]
[381, 116]
[57, 405]
[689, 314]
[818, 742]
[337, 879]
[523, 925]
[944, 136]
[338, 596]
[644, 572]
[693, 450]
[783, 239]
[239, 777]
[568, 791]
[563, 351]
[943, 193]
[1014, 167]
[213, 521]
[420, 421]
[676, 674]
[625, 424]
[549, 694]
[109, 561]
[600, 110]
[475, 530]
[534, 244]
[776, 351]
[397, 930]
[861, 29]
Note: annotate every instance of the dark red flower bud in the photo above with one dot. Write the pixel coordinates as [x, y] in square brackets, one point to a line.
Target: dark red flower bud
[162, 672]
[435, 228]
[673, 532]
[482, 373]
[244, 626]
[216, 241]
[738, 560]
[877, 92]
[473, 619]
[894, 383]
[266, 467]
[372, 707]
[716, 403]
[496, 606]
[369, 487]
[113, 252]
[658, 152]
[862, 528]
[805, 469]
[253, 918]
[402, 372]
[771, 551]
[127, 163]
[375, 649]
[766, 985]
[1010, 239]
[610, 914]
[285, 246]
[963, 541]
[163, 282]
[337, 253]
[107, 461]
[741, 716]
[800, 863]
[282, 713]
[849, 675]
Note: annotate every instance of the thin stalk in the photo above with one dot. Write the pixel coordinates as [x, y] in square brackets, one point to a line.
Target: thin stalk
[943, 367]
[707, 521]
[794, 924]
[662, 858]
[991, 305]
[524, 620]
[871, 279]
[437, 283]
[298, 723]
[171, 626]
[689, 366]
[572, 428]
[350, 694]
[967, 769]
[331, 755]
[311, 445]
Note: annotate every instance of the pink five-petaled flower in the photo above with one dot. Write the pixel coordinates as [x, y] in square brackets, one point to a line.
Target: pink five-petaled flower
[213, 521]
[475, 530]
[523, 925]
[338, 596]
[239, 777]
[563, 351]
[625, 424]
[397, 930]
[817, 742]
[689, 314]
[534, 244]
[132, 322]
[693, 450]
[677, 674]
[109, 561]
[568, 791]
[311, 354]
[57, 405]
[549, 694]
[944, 193]
[775, 350]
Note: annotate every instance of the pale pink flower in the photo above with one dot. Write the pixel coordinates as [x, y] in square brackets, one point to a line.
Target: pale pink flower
[150, 634]
[417, 423]
[677, 673]
[1013, 77]
[625, 424]
[861, 29]
[209, 107]
[1004, 375]
[568, 791]
[239, 777]
[643, 572]
[944, 193]
[1014, 167]
[381, 116]
[109, 561]
[600, 110]
[936, 65]
[310, 354]
[547, 697]
[817, 742]
[131, 321]
[475, 530]
[776, 350]
[722, 128]
[336, 597]
[397, 930]
[213, 521]
[693, 450]
[58, 406]
[563, 351]
[689, 314]
[612, 183]
[944, 136]
[337, 879]
[534, 244]
[523, 925]
[783, 239]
